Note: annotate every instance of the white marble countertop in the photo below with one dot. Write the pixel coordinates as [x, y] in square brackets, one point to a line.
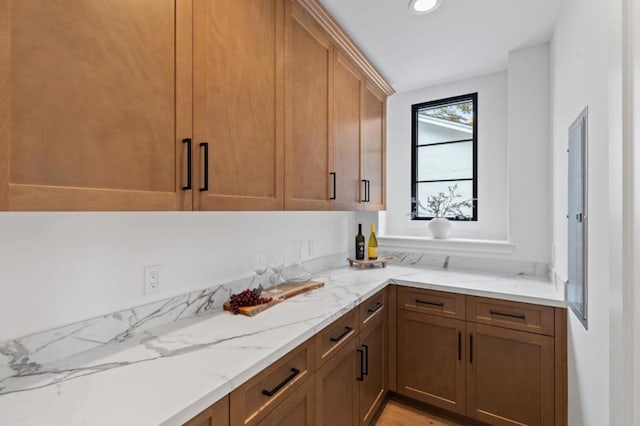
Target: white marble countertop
[172, 373]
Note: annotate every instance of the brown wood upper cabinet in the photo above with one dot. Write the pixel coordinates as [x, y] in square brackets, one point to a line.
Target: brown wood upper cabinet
[238, 104]
[95, 98]
[348, 84]
[181, 105]
[373, 148]
[308, 69]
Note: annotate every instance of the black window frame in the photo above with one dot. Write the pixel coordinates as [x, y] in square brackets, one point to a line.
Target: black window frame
[414, 153]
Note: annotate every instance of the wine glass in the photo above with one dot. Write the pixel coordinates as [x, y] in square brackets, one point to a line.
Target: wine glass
[260, 267]
[276, 259]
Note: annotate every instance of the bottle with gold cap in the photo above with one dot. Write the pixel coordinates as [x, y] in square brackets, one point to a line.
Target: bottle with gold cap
[373, 244]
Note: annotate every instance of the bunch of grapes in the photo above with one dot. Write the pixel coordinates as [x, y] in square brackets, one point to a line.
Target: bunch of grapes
[247, 298]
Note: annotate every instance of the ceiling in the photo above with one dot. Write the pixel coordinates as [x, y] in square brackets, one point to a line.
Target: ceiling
[461, 39]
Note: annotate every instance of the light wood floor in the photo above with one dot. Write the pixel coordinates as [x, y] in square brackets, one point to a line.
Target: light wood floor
[395, 412]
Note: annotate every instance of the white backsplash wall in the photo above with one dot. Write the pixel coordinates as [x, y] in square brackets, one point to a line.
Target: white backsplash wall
[59, 268]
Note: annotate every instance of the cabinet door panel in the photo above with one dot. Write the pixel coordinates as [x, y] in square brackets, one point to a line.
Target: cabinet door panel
[238, 76]
[431, 359]
[373, 386]
[216, 415]
[373, 155]
[307, 82]
[510, 376]
[91, 106]
[347, 116]
[336, 389]
[297, 410]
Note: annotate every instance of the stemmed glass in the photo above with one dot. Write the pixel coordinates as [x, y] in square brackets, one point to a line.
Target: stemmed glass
[261, 267]
[276, 259]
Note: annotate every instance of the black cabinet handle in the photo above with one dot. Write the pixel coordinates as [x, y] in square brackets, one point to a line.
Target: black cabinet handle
[459, 346]
[376, 308]
[361, 377]
[346, 331]
[333, 175]
[205, 145]
[424, 302]
[504, 314]
[364, 200]
[189, 165]
[366, 360]
[294, 373]
[471, 348]
[368, 190]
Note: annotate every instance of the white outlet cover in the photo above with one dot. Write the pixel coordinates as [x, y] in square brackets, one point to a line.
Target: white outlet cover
[151, 279]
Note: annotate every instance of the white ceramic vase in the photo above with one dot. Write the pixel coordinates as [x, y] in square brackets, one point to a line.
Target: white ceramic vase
[440, 227]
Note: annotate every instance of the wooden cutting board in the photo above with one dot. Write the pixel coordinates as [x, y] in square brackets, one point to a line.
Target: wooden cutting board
[279, 293]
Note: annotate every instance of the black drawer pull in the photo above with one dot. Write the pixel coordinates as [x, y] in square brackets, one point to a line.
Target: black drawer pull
[424, 302]
[376, 308]
[504, 314]
[361, 377]
[294, 373]
[346, 331]
[189, 172]
[364, 192]
[205, 145]
[459, 346]
[471, 348]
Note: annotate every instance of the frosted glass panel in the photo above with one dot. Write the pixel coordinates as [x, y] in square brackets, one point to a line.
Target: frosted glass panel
[450, 161]
[465, 188]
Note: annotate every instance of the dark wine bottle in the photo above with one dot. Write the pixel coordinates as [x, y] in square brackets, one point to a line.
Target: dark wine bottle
[360, 244]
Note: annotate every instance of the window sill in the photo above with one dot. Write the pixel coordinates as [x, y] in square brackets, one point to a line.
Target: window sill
[457, 245]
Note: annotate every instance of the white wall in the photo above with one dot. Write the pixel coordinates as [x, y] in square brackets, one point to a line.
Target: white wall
[529, 170]
[580, 77]
[492, 158]
[58, 268]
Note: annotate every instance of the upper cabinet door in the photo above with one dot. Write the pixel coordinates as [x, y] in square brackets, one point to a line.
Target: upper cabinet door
[346, 128]
[373, 151]
[238, 104]
[308, 61]
[88, 114]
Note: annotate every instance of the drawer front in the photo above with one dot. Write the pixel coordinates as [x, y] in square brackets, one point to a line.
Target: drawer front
[252, 401]
[373, 307]
[334, 337]
[515, 315]
[432, 302]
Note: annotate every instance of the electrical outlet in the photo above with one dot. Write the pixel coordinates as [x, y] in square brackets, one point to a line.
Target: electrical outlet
[151, 279]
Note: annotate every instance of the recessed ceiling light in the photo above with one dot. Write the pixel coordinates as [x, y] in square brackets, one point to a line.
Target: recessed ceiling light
[421, 7]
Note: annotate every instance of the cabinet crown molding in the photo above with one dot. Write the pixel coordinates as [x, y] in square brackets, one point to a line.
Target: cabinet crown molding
[342, 40]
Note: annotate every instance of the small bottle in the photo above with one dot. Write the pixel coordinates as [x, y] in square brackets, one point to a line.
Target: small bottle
[360, 244]
[373, 244]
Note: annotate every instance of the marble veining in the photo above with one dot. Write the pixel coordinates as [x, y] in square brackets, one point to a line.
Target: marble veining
[471, 264]
[28, 355]
[189, 363]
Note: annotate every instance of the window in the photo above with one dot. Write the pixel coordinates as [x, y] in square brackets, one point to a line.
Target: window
[444, 154]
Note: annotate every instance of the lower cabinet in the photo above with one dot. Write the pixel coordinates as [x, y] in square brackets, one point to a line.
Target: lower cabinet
[497, 374]
[337, 389]
[431, 365]
[296, 410]
[371, 386]
[510, 376]
[216, 415]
